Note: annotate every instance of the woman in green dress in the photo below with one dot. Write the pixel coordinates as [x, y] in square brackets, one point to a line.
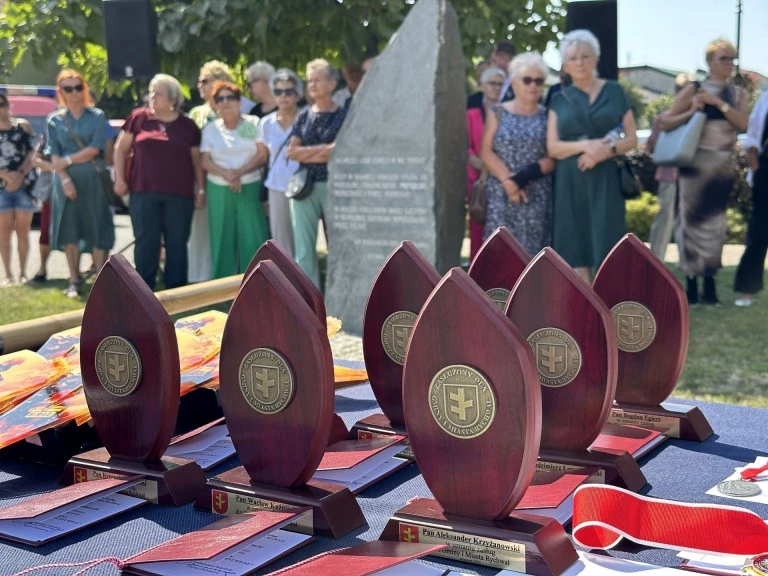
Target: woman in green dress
[585, 121]
[80, 215]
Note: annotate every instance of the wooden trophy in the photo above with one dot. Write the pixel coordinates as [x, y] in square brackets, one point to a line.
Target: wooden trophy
[277, 394]
[650, 313]
[271, 250]
[571, 334]
[130, 370]
[400, 289]
[473, 415]
[498, 264]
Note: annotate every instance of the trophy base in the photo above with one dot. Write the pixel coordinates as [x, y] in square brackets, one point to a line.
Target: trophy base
[614, 467]
[171, 481]
[672, 420]
[335, 510]
[339, 430]
[521, 543]
[379, 426]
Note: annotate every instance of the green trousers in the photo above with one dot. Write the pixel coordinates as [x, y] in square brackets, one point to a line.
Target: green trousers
[305, 216]
[238, 227]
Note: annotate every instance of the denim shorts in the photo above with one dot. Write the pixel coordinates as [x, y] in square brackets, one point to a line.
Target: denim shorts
[18, 200]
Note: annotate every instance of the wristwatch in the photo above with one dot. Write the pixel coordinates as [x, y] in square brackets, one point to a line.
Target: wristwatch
[725, 107]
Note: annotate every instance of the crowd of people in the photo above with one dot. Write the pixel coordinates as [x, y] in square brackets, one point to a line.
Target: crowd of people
[553, 171]
[250, 166]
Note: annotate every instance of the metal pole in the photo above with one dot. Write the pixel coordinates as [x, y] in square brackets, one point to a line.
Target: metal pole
[738, 34]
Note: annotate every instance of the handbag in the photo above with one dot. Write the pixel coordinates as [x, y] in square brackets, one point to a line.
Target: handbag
[477, 198]
[677, 147]
[108, 187]
[299, 186]
[628, 181]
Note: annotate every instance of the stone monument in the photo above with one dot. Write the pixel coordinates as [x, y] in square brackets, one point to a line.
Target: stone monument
[399, 168]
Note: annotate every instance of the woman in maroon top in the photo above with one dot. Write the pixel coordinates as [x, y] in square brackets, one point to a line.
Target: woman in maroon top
[165, 174]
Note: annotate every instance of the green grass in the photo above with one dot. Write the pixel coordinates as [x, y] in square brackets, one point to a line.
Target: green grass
[727, 361]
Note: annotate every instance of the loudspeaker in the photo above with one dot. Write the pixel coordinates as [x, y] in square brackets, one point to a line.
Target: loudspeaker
[130, 27]
[601, 18]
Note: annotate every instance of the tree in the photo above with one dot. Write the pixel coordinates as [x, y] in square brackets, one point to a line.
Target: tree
[636, 100]
[656, 106]
[284, 32]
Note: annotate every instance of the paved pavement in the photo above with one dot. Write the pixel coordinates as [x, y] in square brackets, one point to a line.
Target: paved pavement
[343, 345]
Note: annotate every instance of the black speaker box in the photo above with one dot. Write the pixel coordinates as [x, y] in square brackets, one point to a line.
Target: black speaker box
[601, 18]
[130, 27]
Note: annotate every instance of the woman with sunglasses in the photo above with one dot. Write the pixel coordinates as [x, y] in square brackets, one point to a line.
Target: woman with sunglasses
[163, 201]
[491, 81]
[706, 185]
[588, 203]
[232, 161]
[276, 130]
[16, 205]
[519, 189]
[80, 214]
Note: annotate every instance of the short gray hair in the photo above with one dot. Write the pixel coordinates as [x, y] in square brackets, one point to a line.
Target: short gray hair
[172, 89]
[286, 75]
[489, 73]
[319, 64]
[527, 60]
[259, 70]
[578, 38]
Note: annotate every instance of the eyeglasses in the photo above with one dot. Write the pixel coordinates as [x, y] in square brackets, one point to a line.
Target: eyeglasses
[226, 98]
[727, 59]
[3, 104]
[70, 89]
[286, 92]
[495, 84]
[527, 80]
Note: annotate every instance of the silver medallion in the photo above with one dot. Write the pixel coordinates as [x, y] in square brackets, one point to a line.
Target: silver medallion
[739, 488]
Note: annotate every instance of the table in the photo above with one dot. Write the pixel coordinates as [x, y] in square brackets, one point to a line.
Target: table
[678, 470]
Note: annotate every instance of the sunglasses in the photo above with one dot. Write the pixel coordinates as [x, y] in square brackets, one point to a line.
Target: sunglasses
[527, 80]
[3, 104]
[226, 98]
[70, 89]
[286, 92]
[202, 82]
[728, 59]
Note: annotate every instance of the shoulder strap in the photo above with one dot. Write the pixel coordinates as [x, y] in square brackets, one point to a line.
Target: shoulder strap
[71, 130]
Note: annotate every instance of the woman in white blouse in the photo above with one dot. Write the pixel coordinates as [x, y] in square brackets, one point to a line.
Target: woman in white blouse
[232, 161]
[276, 130]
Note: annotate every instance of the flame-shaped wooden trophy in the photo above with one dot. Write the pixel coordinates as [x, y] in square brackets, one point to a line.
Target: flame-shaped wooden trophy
[498, 264]
[271, 250]
[473, 412]
[400, 289]
[277, 394]
[130, 368]
[570, 331]
[650, 313]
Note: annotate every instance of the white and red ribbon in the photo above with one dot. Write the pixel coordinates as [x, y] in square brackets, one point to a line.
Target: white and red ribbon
[603, 515]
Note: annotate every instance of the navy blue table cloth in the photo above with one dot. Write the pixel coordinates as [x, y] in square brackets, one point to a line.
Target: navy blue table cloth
[678, 470]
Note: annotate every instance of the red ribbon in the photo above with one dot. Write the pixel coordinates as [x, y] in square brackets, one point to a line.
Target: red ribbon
[603, 515]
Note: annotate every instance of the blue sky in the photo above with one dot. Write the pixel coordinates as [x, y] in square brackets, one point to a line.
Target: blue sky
[674, 33]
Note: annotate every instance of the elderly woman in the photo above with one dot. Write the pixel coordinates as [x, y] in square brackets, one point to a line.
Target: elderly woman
[706, 184]
[80, 214]
[162, 200]
[259, 78]
[276, 130]
[16, 205]
[491, 81]
[232, 161]
[588, 203]
[311, 144]
[519, 190]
